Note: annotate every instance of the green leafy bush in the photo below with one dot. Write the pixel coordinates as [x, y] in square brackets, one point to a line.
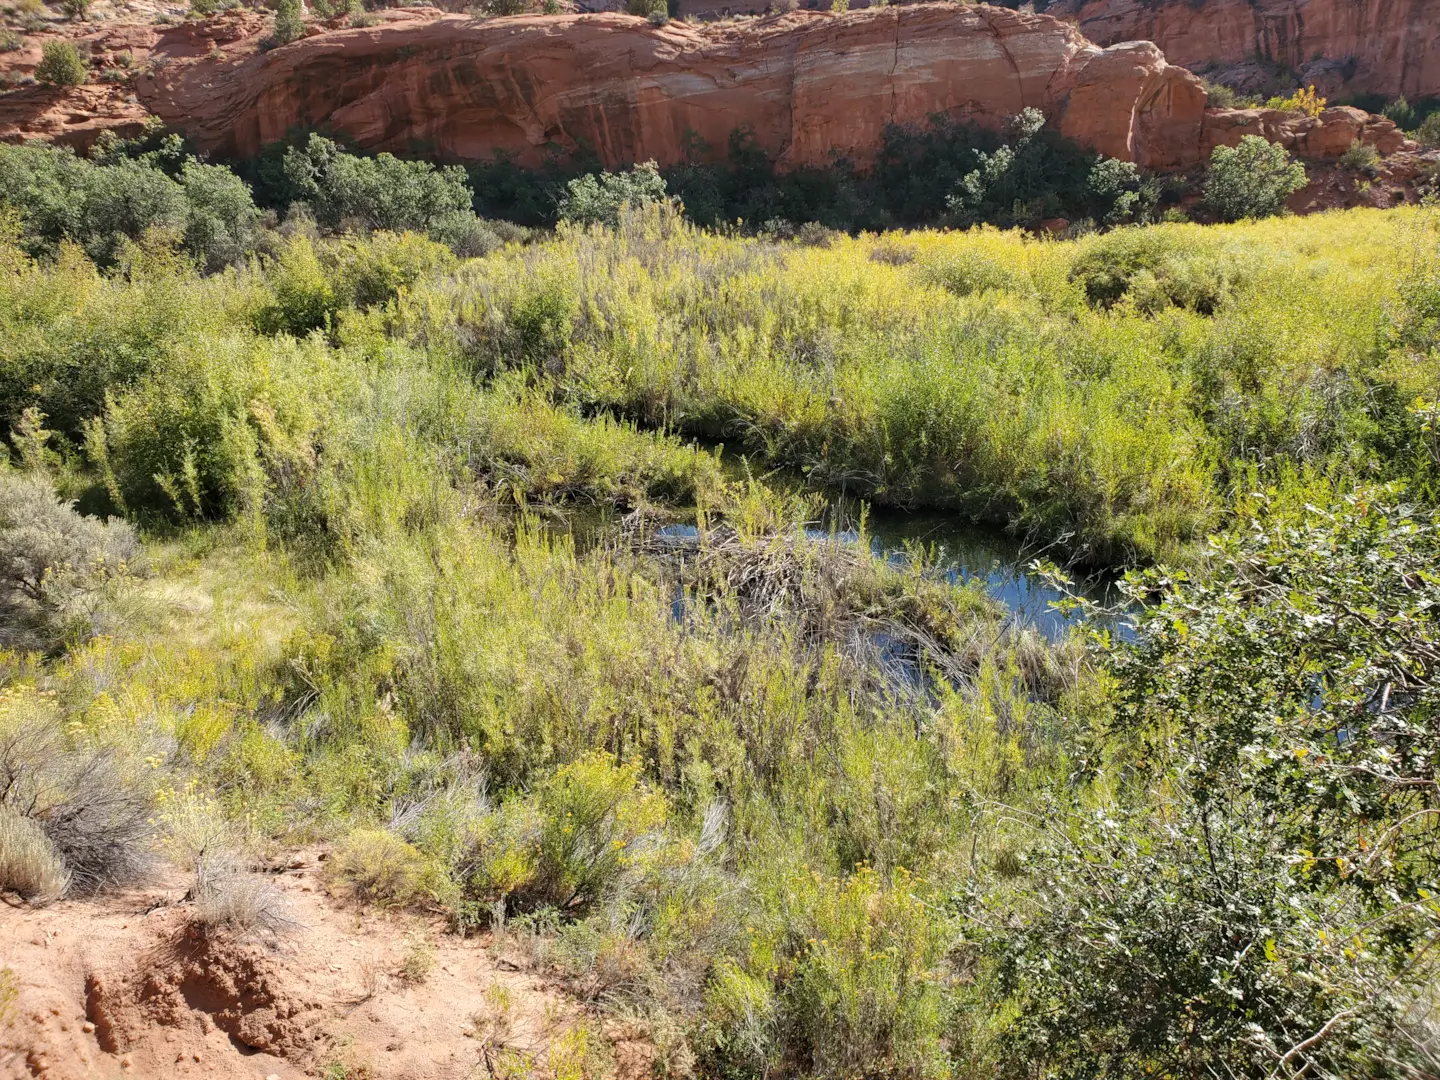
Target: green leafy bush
[598, 200]
[864, 1000]
[304, 294]
[205, 209]
[191, 440]
[382, 192]
[60, 64]
[377, 867]
[221, 219]
[370, 274]
[311, 284]
[1154, 269]
[1428, 133]
[466, 234]
[1360, 157]
[1189, 946]
[289, 21]
[1276, 908]
[594, 817]
[1220, 96]
[1334, 756]
[1251, 180]
[1027, 177]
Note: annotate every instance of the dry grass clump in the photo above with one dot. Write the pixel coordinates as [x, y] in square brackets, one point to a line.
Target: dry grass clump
[227, 895]
[29, 864]
[54, 564]
[901, 618]
[96, 820]
[419, 959]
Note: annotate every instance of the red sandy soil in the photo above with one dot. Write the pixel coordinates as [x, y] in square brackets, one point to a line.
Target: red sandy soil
[125, 986]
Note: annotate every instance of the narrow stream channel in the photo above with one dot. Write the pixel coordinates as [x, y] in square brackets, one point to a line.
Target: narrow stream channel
[966, 552]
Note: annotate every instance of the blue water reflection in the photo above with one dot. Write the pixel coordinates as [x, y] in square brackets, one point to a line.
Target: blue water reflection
[964, 554]
[967, 553]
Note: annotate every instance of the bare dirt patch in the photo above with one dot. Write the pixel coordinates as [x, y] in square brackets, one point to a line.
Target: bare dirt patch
[127, 986]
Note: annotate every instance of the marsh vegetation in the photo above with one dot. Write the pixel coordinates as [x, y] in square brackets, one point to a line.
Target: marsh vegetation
[392, 564]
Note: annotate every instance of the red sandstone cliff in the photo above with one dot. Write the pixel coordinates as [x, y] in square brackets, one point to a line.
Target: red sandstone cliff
[1355, 46]
[810, 85]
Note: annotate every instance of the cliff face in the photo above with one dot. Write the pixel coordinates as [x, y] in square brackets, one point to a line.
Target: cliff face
[810, 85]
[1357, 46]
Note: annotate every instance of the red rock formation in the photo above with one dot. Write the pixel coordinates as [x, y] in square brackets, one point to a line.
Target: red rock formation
[74, 117]
[78, 116]
[1355, 46]
[1328, 135]
[810, 86]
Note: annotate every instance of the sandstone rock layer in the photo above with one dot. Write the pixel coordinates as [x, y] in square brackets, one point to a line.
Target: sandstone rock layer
[809, 85]
[1355, 46]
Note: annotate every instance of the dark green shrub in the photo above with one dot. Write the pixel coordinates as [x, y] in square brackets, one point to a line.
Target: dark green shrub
[1107, 268]
[382, 192]
[221, 219]
[1299, 672]
[1219, 96]
[1276, 911]
[1360, 157]
[60, 64]
[1408, 116]
[122, 202]
[206, 208]
[505, 190]
[914, 172]
[1428, 133]
[289, 21]
[1036, 174]
[1405, 116]
[217, 432]
[1251, 180]
[1188, 947]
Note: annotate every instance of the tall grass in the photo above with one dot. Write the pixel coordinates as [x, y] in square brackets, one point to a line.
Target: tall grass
[1104, 390]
